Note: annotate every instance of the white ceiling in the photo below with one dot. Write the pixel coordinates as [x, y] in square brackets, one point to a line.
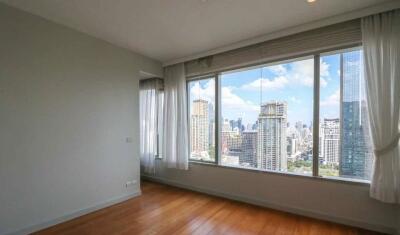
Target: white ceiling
[167, 30]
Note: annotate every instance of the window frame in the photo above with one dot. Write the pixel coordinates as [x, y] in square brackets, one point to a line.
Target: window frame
[160, 110]
[216, 102]
[316, 112]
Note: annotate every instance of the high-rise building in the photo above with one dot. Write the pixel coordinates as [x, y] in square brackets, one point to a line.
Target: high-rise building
[199, 127]
[232, 124]
[329, 143]
[355, 149]
[271, 143]
[248, 156]
[255, 126]
[291, 147]
[226, 125]
[211, 133]
[239, 124]
[299, 126]
[231, 143]
[211, 126]
[236, 125]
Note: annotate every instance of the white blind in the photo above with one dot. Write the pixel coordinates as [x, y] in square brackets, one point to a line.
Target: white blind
[308, 42]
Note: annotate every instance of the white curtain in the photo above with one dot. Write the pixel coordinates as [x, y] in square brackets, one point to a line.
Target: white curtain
[176, 133]
[381, 42]
[149, 106]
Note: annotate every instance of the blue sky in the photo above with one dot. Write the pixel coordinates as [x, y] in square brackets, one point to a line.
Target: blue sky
[243, 91]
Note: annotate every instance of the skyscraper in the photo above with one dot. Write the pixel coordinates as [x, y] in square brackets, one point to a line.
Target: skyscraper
[291, 148]
[236, 125]
[199, 128]
[226, 125]
[356, 155]
[231, 143]
[299, 126]
[271, 143]
[211, 126]
[329, 143]
[249, 149]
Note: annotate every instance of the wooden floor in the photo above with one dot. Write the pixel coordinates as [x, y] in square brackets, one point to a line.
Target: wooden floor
[167, 210]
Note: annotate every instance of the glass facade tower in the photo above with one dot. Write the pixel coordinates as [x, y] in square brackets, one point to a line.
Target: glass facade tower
[356, 156]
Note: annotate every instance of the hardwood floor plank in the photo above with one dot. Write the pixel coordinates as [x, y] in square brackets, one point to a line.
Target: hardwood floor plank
[227, 225]
[253, 221]
[303, 226]
[215, 220]
[167, 210]
[202, 217]
[177, 222]
[272, 223]
[166, 218]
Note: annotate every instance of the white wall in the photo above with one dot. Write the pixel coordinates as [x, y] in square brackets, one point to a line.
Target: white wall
[342, 202]
[68, 102]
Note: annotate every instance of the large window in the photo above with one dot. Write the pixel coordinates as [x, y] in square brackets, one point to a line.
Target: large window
[264, 117]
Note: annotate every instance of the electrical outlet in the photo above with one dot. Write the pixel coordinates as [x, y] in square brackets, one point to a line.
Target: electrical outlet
[129, 183]
[129, 140]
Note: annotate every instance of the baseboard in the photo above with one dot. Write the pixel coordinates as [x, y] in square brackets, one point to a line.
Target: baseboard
[267, 204]
[69, 216]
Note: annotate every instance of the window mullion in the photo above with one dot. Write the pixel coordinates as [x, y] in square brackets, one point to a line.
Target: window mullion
[316, 115]
[217, 129]
[341, 112]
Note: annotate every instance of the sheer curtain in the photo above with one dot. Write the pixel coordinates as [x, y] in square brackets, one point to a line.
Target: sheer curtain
[176, 133]
[381, 42]
[149, 109]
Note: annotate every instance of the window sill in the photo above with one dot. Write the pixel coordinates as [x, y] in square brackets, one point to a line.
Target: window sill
[289, 174]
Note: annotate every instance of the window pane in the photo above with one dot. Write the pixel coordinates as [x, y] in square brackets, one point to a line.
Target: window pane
[345, 147]
[266, 117]
[202, 119]
[329, 126]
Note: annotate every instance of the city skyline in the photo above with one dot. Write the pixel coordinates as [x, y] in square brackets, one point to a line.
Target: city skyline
[255, 135]
[291, 82]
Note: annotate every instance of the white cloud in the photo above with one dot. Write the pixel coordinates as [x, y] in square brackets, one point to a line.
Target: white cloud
[324, 69]
[234, 102]
[206, 92]
[332, 100]
[323, 82]
[231, 103]
[296, 73]
[295, 99]
[234, 106]
[302, 72]
[324, 72]
[277, 69]
[277, 83]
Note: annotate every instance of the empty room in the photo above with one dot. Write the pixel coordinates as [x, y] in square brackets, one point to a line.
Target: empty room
[199, 117]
